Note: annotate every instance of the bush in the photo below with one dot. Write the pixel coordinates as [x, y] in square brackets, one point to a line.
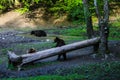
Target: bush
[76, 13]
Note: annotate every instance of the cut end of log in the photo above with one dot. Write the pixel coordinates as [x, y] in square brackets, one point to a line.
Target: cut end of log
[14, 59]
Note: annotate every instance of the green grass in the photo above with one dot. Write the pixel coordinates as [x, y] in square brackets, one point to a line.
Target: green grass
[114, 30]
[80, 31]
[33, 65]
[22, 48]
[52, 77]
[36, 65]
[73, 31]
[95, 71]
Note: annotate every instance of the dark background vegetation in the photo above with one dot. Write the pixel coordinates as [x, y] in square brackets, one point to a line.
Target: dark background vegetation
[73, 8]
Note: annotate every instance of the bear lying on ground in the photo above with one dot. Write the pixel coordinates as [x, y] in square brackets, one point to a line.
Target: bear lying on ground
[39, 33]
[59, 42]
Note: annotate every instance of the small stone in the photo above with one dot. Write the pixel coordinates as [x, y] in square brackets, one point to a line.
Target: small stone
[47, 40]
[3, 38]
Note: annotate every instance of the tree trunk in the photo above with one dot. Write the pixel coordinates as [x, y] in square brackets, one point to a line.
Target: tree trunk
[27, 58]
[103, 26]
[104, 29]
[88, 19]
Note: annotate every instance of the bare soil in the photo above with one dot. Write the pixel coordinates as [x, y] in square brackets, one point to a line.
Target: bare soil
[31, 20]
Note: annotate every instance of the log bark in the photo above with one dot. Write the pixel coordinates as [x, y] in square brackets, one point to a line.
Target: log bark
[28, 58]
[14, 59]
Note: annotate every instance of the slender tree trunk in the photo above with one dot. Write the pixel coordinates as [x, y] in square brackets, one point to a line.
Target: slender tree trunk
[103, 26]
[88, 19]
[104, 29]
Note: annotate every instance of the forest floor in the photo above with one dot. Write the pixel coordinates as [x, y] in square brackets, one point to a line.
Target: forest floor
[74, 58]
[10, 38]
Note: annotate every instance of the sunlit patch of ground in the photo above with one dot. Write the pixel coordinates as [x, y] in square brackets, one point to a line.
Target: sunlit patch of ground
[14, 19]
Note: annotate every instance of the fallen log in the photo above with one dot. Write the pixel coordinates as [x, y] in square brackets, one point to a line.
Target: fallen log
[27, 58]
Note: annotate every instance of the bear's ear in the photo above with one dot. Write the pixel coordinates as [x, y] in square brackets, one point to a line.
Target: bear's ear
[57, 38]
[33, 48]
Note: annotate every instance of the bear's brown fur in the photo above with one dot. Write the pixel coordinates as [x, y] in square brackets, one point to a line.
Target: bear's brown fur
[60, 42]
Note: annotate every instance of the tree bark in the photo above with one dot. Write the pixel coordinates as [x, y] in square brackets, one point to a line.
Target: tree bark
[28, 58]
[13, 59]
[104, 29]
[103, 26]
[97, 10]
[88, 19]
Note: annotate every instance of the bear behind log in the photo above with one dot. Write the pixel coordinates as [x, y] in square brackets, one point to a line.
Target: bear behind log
[31, 50]
[59, 42]
[39, 33]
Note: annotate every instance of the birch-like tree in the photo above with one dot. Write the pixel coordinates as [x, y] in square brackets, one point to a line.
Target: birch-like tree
[103, 20]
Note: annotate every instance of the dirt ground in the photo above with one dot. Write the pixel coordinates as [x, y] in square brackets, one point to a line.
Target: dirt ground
[16, 20]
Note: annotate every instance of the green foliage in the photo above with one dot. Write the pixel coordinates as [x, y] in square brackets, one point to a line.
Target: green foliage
[114, 30]
[57, 7]
[1, 7]
[75, 10]
[22, 10]
[4, 4]
[76, 13]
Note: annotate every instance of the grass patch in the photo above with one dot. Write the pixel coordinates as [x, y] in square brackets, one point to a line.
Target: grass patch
[115, 31]
[22, 48]
[37, 65]
[74, 31]
[96, 71]
[52, 77]
[77, 31]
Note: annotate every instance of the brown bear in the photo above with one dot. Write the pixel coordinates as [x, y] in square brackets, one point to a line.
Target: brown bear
[31, 50]
[60, 42]
[39, 33]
